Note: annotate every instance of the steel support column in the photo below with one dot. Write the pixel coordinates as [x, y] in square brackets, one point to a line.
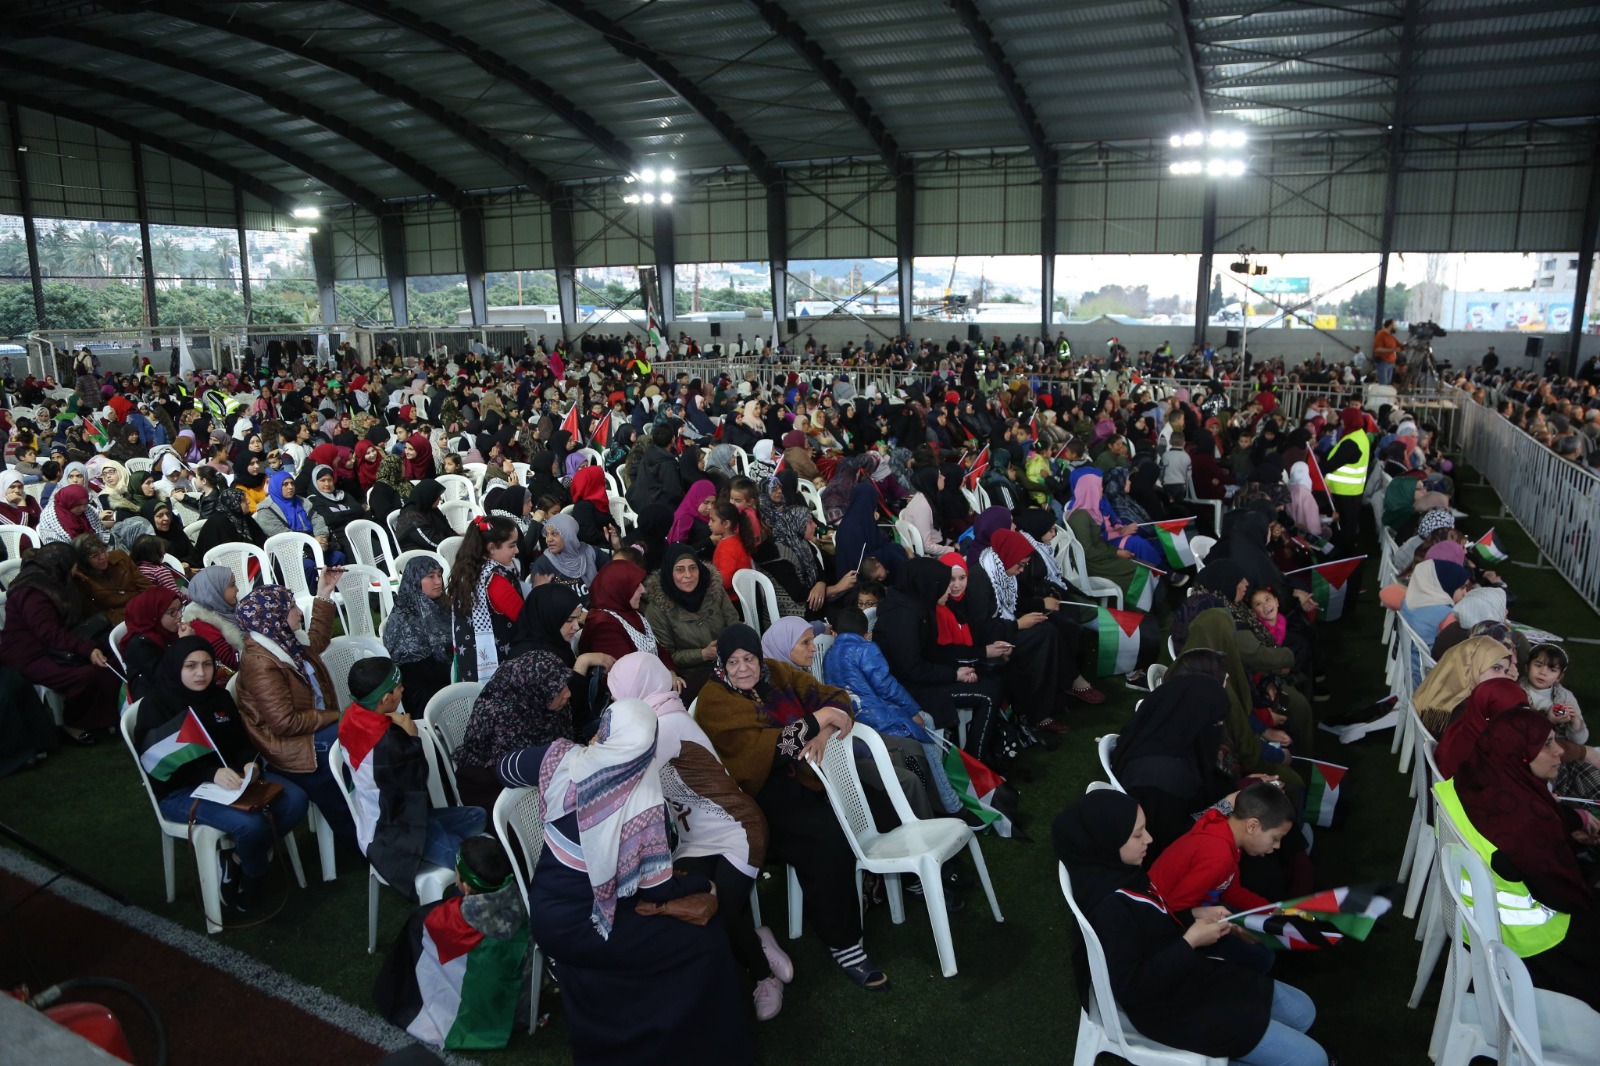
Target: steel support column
[1586, 252]
[1202, 285]
[29, 232]
[147, 260]
[244, 256]
[666, 258]
[322, 267]
[778, 252]
[563, 248]
[472, 260]
[905, 234]
[1397, 148]
[1049, 190]
[392, 232]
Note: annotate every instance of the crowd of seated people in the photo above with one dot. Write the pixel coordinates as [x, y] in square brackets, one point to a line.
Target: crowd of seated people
[625, 675]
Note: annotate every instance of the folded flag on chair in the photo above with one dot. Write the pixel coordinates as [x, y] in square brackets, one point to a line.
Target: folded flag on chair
[1174, 540]
[1488, 549]
[1119, 640]
[1141, 589]
[180, 741]
[1318, 921]
[1323, 781]
[449, 984]
[982, 791]
[1329, 582]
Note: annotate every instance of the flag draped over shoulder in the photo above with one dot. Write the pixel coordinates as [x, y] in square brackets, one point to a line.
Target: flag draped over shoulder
[448, 984]
[1329, 583]
[1489, 550]
[1173, 537]
[1119, 640]
[1320, 920]
[170, 746]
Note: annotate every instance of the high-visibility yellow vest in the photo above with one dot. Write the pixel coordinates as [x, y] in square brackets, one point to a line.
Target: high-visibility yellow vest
[1351, 479]
[1527, 926]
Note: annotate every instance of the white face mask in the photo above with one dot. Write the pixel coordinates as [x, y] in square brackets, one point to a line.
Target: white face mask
[872, 617]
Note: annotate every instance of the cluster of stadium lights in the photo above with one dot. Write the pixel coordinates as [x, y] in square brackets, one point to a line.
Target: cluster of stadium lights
[1215, 166]
[651, 176]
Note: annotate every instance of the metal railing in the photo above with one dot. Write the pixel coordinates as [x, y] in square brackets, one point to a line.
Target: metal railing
[1556, 502]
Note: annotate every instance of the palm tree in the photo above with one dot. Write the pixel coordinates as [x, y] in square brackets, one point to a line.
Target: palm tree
[14, 258]
[168, 255]
[54, 245]
[225, 255]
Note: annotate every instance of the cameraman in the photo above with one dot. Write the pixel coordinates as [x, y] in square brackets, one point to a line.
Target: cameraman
[1385, 350]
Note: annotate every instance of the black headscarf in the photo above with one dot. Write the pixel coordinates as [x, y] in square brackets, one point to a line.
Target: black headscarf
[1088, 837]
[1221, 576]
[1036, 522]
[1244, 541]
[164, 687]
[538, 627]
[1171, 744]
[738, 637]
[689, 601]
[925, 580]
[425, 494]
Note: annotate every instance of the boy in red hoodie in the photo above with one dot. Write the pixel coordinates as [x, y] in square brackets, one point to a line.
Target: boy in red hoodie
[1200, 869]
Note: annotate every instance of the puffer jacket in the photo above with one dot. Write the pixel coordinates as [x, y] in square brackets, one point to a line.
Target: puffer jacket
[279, 708]
[683, 631]
[856, 664]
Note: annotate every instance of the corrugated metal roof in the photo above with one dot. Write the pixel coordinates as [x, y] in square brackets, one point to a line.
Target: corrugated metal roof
[478, 92]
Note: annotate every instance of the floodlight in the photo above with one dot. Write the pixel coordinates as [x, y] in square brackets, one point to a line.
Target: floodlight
[648, 174]
[306, 211]
[666, 197]
[668, 175]
[649, 197]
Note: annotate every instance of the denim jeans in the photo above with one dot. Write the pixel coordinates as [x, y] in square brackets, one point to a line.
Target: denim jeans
[447, 828]
[1385, 372]
[1285, 1042]
[324, 791]
[252, 834]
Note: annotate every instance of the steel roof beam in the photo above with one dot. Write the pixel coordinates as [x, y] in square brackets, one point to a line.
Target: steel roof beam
[1375, 20]
[435, 183]
[223, 20]
[261, 190]
[1182, 20]
[353, 190]
[498, 66]
[779, 21]
[684, 88]
[994, 57]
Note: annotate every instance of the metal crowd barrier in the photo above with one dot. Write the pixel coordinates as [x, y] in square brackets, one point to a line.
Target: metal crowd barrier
[1555, 501]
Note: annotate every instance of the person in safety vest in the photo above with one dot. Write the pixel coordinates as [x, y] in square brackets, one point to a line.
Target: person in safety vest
[1501, 805]
[1345, 470]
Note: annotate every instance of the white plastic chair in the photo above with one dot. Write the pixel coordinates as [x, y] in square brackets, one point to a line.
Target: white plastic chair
[344, 652]
[136, 466]
[9, 570]
[1201, 547]
[432, 881]
[449, 548]
[13, 538]
[1154, 675]
[448, 712]
[1538, 1028]
[458, 514]
[370, 544]
[457, 488]
[1215, 506]
[622, 512]
[823, 642]
[813, 499]
[288, 550]
[910, 538]
[208, 842]
[409, 554]
[119, 631]
[357, 585]
[441, 775]
[917, 846]
[237, 556]
[750, 584]
[1069, 556]
[1102, 1029]
[516, 818]
[592, 456]
[476, 473]
[1106, 745]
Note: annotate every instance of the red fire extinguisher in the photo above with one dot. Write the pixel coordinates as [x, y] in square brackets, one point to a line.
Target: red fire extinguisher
[96, 1022]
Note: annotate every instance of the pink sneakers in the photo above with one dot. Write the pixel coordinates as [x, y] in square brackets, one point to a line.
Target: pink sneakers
[777, 958]
[769, 998]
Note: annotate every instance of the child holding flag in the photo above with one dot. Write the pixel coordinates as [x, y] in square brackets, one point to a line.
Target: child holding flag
[188, 732]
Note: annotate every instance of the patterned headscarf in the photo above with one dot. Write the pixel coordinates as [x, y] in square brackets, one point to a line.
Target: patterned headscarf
[265, 612]
[622, 823]
[418, 628]
[513, 710]
[230, 505]
[1435, 520]
[390, 473]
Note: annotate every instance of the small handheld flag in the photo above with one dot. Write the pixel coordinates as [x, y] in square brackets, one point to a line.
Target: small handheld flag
[1488, 549]
[1329, 583]
[1317, 921]
[1323, 781]
[1142, 586]
[979, 467]
[1173, 537]
[183, 740]
[570, 422]
[1119, 640]
[655, 334]
[1033, 427]
[95, 434]
[602, 431]
[981, 790]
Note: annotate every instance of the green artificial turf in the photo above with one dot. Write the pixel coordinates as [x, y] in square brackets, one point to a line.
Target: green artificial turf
[1013, 998]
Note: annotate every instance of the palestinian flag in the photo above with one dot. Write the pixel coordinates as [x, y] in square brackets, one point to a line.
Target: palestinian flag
[1318, 483]
[94, 433]
[182, 740]
[982, 791]
[1033, 427]
[1141, 590]
[1061, 452]
[655, 335]
[978, 469]
[1173, 537]
[449, 985]
[1322, 790]
[1313, 543]
[778, 469]
[1329, 582]
[1488, 549]
[570, 422]
[1320, 920]
[602, 432]
[1119, 640]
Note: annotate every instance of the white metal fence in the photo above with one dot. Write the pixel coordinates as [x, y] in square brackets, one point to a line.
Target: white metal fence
[1557, 502]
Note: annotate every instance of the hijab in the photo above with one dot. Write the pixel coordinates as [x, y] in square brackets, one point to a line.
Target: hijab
[1088, 838]
[1516, 810]
[418, 629]
[621, 816]
[689, 601]
[1433, 584]
[165, 689]
[1455, 676]
[242, 478]
[1171, 743]
[1488, 700]
[513, 710]
[740, 637]
[391, 473]
[291, 508]
[337, 495]
[57, 522]
[787, 523]
[1482, 604]
[265, 612]
[206, 589]
[952, 630]
[780, 638]
[984, 528]
[858, 534]
[612, 591]
[544, 612]
[1448, 551]
[575, 560]
[642, 676]
[144, 614]
[688, 511]
[422, 466]
[589, 483]
[1222, 576]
